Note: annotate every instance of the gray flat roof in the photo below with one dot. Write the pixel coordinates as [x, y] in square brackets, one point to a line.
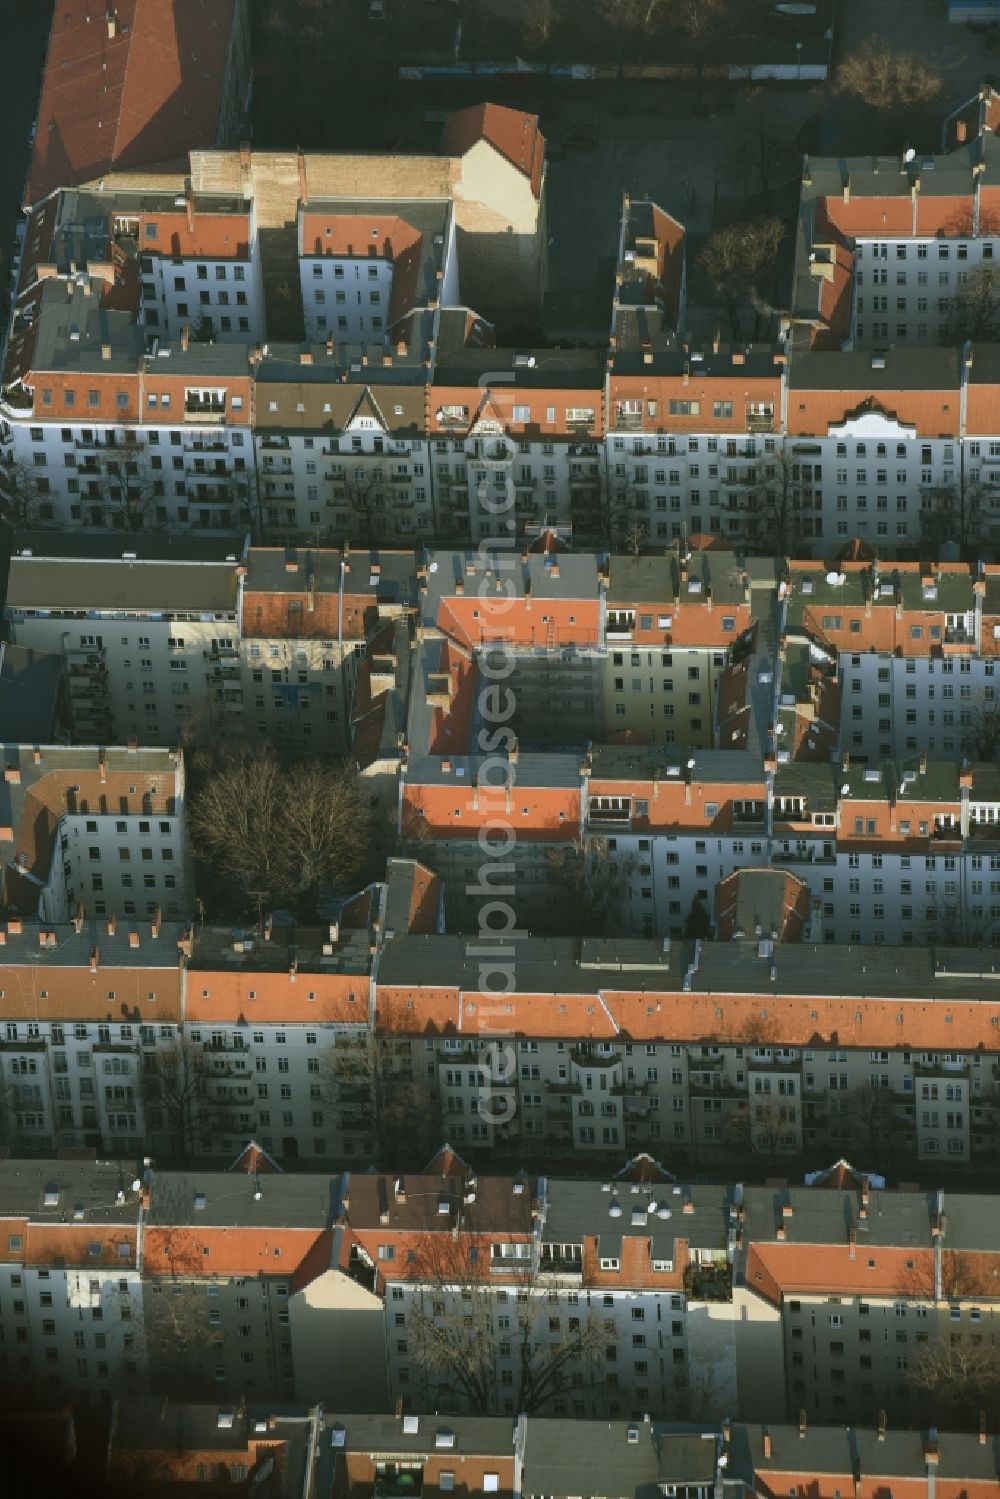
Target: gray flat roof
[93, 1186]
[286, 1200]
[105, 586]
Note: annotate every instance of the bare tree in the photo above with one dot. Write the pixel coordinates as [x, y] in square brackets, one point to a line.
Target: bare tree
[370, 1090]
[187, 1097]
[739, 259]
[700, 23]
[868, 1122]
[767, 500]
[973, 313]
[981, 736]
[636, 536]
[540, 23]
[21, 492]
[130, 491]
[283, 831]
[763, 153]
[458, 1335]
[959, 1377]
[887, 79]
[175, 1333]
[951, 513]
[633, 17]
[586, 887]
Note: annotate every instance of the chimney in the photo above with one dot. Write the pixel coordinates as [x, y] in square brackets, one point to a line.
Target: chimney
[961, 131]
[847, 189]
[982, 1428]
[400, 1191]
[154, 930]
[93, 960]
[105, 352]
[922, 762]
[78, 918]
[767, 1446]
[102, 765]
[802, 1422]
[112, 924]
[881, 1426]
[15, 926]
[189, 205]
[133, 939]
[112, 25]
[185, 337]
[399, 1408]
[303, 181]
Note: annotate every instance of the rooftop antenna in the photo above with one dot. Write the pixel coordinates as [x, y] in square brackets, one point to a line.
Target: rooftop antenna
[259, 896]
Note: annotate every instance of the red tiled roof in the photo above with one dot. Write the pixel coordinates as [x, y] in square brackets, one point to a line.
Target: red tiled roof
[148, 93]
[512, 133]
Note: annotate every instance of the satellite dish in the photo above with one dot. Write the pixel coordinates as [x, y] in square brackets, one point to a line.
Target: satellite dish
[909, 154]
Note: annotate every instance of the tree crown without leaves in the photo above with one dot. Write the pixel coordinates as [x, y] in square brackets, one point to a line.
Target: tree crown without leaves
[886, 78]
[455, 1341]
[738, 253]
[284, 831]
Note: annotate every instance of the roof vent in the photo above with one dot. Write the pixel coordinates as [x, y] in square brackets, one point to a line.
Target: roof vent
[632, 1436]
[338, 1435]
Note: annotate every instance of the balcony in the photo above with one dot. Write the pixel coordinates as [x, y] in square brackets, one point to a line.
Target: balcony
[941, 1069]
[709, 1282]
[408, 1484]
[204, 411]
[760, 421]
[582, 1056]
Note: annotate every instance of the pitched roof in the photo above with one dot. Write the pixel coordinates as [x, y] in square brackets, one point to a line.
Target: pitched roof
[512, 133]
[142, 90]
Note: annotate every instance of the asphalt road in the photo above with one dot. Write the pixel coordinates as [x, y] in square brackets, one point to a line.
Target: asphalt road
[25, 26]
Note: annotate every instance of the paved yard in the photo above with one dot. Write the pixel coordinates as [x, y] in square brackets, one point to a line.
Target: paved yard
[679, 161]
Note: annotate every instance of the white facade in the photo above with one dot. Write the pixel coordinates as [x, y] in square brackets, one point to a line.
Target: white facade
[903, 288]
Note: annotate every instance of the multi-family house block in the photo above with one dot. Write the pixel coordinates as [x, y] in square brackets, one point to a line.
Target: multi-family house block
[70, 1282]
[94, 832]
[300, 1453]
[176, 640]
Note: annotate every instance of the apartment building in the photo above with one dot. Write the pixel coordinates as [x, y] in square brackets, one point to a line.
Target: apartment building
[578, 1298]
[70, 1281]
[535, 1456]
[114, 417]
[653, 1046]
[141, 630]
[72, 816]
[179, 639]
[164, 1442]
